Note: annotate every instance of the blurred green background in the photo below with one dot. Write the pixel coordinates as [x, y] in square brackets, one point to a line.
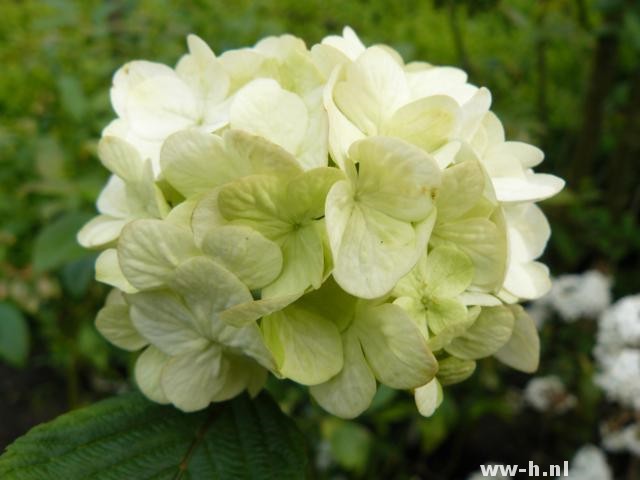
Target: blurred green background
[565, 75]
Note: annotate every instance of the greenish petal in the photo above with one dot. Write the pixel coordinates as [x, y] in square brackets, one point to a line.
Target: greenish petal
[483, 241]
[150, 250]
[256, 201]
[207, 289]
[264, 108]
[444, 314]
[461, 189]
[522, 351]
[306, 346]
[114, 323]
[428, 397]
[206, 216]
[415, 309]
[449, 272]
[393, 346]
[191, 380]
[395, 178]
[333, 303]
[302, 263]
[453, 330]
[428, 123]
[454, 370]
[491, 330]
[162, 319]
[351, 391]
[254, 259]
[121, 158]
[262, 156]
[371, 250]
[194, 162]
[108, 271]
[308, 193]
[147, 372]
[248, 312]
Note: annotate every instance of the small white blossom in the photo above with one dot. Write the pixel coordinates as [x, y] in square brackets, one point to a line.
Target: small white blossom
[581, 296]
[620, 378]
[548, 394]
[624, 439]
[589, 463]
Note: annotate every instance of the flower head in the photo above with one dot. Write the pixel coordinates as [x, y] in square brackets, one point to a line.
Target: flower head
[333, 216]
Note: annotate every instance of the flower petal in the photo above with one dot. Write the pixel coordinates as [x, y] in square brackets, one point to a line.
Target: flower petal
[266, 109]
[150, 250]
[191, 380]
[114, 323]
[307, 347]
[394, 348]
[522, 351]
[351, 391]
[162, 318]
[491, 330]
[148, 371]
[254, 259]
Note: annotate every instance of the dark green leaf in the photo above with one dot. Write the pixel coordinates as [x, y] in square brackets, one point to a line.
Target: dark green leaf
[78, 275]
[14, 335]
[129, 437]
[56, 243]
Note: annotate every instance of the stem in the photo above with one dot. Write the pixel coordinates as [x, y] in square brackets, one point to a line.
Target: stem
[600, 85]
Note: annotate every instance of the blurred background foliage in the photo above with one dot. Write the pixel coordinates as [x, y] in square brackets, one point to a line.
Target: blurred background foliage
[565, 75]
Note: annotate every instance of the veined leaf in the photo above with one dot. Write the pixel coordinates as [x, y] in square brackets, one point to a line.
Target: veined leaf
[131, 437]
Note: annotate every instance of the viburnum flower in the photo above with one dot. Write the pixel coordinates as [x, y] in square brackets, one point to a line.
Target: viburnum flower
[331, 215]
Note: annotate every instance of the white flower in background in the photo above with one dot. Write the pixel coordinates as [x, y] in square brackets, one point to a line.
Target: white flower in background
[573, 297]
[331, 215]
[625, 439]
[581, 296]
[548, 394]
[589, 463]
[620, 377]
[619, 327]
[617, 352]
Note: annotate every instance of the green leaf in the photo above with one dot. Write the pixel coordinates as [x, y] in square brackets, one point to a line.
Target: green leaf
[350, 444]
[77, 276]
[130, 437]
[56, 243]
[14, 335]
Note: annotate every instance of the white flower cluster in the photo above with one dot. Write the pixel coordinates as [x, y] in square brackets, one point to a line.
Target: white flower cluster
[548, 394]
[617, 352]
[590, 463]
[574, 296]
[332, 215]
